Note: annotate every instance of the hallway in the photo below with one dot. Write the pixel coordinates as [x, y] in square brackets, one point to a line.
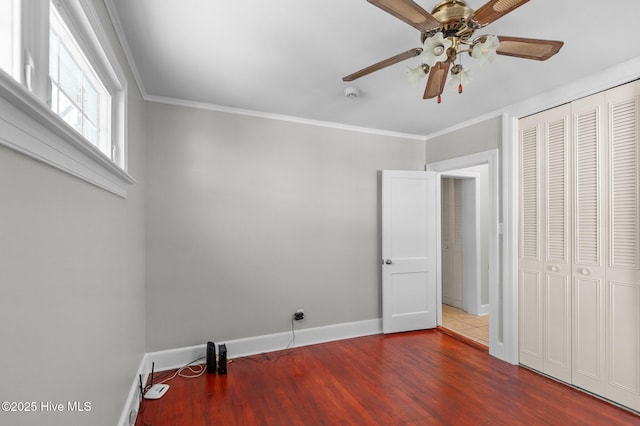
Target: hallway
[472, 326]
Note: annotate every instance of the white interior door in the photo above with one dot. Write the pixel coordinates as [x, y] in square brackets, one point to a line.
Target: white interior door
[409, 289]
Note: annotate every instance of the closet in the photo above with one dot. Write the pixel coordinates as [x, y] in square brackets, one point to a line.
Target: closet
[579, 243]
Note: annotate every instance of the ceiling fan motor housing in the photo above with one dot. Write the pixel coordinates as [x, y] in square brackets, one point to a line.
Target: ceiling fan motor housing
[453, 15]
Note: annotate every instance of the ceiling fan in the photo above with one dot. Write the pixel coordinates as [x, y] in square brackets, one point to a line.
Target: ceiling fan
[446, 33]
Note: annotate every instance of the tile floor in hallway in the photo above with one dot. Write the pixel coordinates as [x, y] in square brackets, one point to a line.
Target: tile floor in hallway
[472, 326]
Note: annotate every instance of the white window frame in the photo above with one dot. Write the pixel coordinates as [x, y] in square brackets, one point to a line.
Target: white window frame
[27, 123]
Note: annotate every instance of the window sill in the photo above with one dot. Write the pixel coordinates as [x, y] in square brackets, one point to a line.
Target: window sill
[28, 125]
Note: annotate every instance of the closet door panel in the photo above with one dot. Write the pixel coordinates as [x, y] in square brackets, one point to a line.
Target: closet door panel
[588, 335]
[557, 269]
[588, 214]
[588, 270]
[530, 194]
[623, 182]
[623, 343]
[556, 147]
[530, 285]
[623, 255]
[531, 325]
[557, 336]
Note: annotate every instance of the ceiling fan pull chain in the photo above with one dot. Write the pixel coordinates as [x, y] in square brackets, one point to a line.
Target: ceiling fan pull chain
[460, 64]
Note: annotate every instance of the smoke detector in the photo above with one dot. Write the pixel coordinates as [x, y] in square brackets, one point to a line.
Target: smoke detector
[351, 92]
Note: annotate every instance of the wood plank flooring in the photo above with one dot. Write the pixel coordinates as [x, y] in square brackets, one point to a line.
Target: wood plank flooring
[417, 378]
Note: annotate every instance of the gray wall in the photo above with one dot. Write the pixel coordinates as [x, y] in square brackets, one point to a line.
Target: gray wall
[249, 219]
[72, 280]
[479, 137]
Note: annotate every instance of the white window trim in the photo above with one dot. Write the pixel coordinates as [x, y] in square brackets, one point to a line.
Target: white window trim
[29, 126]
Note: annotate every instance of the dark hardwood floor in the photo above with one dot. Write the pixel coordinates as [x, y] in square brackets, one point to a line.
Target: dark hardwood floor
[417, 378]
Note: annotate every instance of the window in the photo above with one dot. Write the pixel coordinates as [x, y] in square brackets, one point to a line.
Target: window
[77, 94]
[60, 71]
[9, 37]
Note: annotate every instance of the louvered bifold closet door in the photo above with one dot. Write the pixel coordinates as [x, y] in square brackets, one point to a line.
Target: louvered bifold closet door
[530, 294]
[579, 272]
[544, 268]
[557, 237]
[623, 252]
[588, 118]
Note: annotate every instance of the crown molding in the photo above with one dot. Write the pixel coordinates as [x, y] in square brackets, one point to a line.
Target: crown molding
[280, 117]
[117, 26]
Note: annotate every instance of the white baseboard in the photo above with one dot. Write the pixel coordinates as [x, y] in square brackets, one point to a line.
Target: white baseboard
[133, 399]
[484, 309]
[175, 358]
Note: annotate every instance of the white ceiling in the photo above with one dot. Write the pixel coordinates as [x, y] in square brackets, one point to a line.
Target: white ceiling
[288, 57]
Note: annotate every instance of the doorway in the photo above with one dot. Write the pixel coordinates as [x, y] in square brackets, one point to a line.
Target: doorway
[464, 250]
[484, 249]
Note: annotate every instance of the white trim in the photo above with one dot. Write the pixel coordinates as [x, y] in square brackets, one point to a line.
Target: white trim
[484, 310]
[133, 399]
[280, 117]
[496, 348]
[30, 127]
[176, 358]
[510, 185]
[117, 26]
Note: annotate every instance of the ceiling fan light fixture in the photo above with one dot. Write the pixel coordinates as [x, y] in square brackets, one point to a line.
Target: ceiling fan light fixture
[460, 78]
[434, 49]
[414, 75]
[486, 51]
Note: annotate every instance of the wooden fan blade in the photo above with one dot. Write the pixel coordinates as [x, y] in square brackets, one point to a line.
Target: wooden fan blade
[495, 9]
[383, 64]
[409, 12]
[528, 48]
[437, 78]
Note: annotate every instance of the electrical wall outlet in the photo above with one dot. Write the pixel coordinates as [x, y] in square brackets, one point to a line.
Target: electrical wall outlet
[298, 315]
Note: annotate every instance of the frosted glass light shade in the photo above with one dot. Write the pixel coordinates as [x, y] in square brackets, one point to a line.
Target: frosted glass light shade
[414, 75]
[434, 49]
[464, 77]
[486, 52]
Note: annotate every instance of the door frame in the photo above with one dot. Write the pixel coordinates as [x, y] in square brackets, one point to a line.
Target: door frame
[496, 324]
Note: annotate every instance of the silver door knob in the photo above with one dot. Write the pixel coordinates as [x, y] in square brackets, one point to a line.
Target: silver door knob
[554, 268]
[586, 271]
[388, 262]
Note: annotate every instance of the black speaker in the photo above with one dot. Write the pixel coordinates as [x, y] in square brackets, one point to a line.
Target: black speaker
[222, 362]
[211, 357]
